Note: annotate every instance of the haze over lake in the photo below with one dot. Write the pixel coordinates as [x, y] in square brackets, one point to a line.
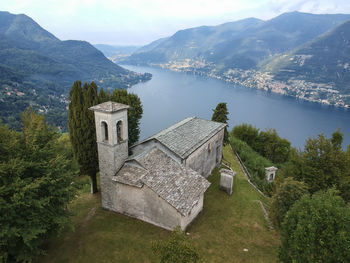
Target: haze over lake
[171, 96]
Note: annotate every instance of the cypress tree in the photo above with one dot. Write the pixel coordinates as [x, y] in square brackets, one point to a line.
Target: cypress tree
[74, 117]
[82, 131]
[89, 164]
[220, 115]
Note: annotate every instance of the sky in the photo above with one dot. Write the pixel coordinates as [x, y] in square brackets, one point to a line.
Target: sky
[139, 22]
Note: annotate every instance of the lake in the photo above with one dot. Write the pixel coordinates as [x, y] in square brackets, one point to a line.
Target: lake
[172, 96]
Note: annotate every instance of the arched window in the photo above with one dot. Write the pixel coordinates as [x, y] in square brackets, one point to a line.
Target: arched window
[104, 130]
[120, 131]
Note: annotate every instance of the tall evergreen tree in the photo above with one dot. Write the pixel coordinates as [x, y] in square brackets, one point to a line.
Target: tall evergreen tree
[89, 164]
[221, 115]
[82, 131]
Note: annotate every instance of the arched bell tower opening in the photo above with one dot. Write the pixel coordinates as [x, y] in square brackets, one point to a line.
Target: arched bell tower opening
[119, 131]
[111, 122]
[104, 130]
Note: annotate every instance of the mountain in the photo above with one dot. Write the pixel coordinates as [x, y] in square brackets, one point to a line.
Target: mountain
[325, 60]
[38, 69]
[243, 44]
[111, 51]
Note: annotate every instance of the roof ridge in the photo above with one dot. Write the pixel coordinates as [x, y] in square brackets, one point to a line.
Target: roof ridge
[174, 126]
[164, 131]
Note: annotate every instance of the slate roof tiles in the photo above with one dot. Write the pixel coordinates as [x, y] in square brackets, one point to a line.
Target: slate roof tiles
[179, 186]
[186, 136]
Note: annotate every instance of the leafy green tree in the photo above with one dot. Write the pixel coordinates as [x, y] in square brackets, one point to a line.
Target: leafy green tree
[134, 113]
[267, 143]
[316, 229]
[221, 115]
[337, 139]
[176, 249]
[272, 146]
[286, 195]
[35, 188]
[247, 133]
[325, 163]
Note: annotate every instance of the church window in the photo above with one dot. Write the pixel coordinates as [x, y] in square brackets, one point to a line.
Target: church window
[119, 131]
[104, 130]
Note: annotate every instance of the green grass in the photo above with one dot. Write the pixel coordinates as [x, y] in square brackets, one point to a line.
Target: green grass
[227, 225]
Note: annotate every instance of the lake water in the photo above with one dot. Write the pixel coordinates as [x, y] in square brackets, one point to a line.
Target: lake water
[171, 96]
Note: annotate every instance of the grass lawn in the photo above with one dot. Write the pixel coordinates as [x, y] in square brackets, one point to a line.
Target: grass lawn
[226, 226]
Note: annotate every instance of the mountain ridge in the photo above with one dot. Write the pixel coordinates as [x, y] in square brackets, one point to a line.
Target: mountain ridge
[38, 69]
[240, 51]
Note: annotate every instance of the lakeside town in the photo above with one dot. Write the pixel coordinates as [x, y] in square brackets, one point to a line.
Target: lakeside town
[301, 89]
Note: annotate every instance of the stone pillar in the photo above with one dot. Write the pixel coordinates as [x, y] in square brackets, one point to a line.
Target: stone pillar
[226, 180]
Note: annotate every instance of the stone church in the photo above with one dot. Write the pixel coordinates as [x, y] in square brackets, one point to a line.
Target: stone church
[163, 181]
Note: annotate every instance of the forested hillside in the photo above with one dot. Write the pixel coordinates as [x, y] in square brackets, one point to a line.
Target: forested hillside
[38, 69]
[242, 44]
[324, 60]
[295, 54]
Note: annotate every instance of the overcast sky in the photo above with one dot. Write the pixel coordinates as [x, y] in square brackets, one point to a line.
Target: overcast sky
[138, 22]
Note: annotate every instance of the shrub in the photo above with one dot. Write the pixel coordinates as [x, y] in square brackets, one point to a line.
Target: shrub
[176, 249]
[255, 164]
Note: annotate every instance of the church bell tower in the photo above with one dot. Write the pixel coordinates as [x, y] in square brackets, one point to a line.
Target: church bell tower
[111, 122]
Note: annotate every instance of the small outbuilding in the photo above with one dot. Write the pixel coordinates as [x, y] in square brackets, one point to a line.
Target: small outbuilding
[270, 173]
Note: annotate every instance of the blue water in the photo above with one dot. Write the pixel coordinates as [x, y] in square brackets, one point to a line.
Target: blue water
[171, 96]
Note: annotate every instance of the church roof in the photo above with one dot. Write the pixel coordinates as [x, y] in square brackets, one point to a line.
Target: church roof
[184, 137]
[178, 185]
[109, 106]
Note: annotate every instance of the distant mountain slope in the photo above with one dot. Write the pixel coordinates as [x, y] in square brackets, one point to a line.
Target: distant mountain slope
[323, 60]
[112, 51]
[38, 69]
[243, 44]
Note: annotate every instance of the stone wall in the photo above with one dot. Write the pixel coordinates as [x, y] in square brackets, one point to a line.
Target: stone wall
[186, 220]
[111, 158]
[146, 205]
[208, 156]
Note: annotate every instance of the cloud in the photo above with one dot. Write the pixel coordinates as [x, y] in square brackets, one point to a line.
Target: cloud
[140, 21]
[311, 6]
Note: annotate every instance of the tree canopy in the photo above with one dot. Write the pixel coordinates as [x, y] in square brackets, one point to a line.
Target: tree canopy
[316, 229]
[267, 143]
[321, 165]
[286, 195]
[134, 112]
[35, 187]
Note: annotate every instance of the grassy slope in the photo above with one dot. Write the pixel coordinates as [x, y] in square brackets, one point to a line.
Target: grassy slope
[227, 225]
